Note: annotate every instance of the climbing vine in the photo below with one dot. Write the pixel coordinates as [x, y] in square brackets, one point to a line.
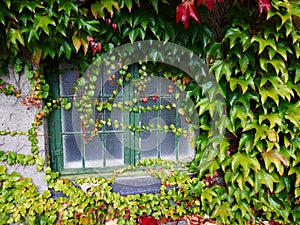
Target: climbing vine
[246, 172]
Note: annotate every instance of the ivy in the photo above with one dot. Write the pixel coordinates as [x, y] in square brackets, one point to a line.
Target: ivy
[245, 166]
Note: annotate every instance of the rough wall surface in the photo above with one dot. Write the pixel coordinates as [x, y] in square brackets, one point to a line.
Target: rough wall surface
[16, 117]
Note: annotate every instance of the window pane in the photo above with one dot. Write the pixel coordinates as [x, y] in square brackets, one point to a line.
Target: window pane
[67, 80]
[111, 84]
[168, 145]
[152, 85]
[149, 144]
[70, 120]
[114, 149]
[94, 152]
[184, 148]
[72, 151]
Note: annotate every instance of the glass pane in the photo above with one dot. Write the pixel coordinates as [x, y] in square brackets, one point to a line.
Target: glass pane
[151, 85]
[67, 79]
[168, 115]
[111, 84]
[94, 153]
[168, 145]
[70, 120]
[114, 149]
[149, 144]
[185, 149]
[72, 151]
[148, 117]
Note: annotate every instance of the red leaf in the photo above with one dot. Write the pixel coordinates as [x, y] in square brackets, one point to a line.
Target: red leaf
[149, 220]
[145, 99]
[184, 11]
[264, 5]
[208, 3]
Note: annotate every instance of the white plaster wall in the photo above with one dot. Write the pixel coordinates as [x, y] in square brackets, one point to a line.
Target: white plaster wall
[16, 117]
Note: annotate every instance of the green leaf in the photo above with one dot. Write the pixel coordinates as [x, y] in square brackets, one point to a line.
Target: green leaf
[273, 118]
[65, 48]
[155, 5]
[223, 211]
[233, 34]
[297, 74]
[263, 43]
[79, 41]
[246, 162]
[31, 5]
[292, 113]
[14, 35]
[274, 157]
[266, 178]
[221, 68]
[128, 3]
[133, 35]
[2, 169]
[272, 93]
[98, 8]
[282, 49]
[297, 49]
[67, 6]
[207, 195]
[43, 22]
[244, 62]
[5, 12]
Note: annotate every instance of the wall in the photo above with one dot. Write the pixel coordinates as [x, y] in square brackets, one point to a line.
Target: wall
[16, 117]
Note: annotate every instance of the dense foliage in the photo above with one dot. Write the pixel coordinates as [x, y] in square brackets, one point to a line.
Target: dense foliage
[257, 148]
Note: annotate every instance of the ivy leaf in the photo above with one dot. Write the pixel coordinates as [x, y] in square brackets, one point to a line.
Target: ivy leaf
[43, 22]
[297, 49]
[272, 93]
[223, 211]
[65, 48]
[67, 6]
[128, 3]
[296, 171]
[2, 169]
[15, 35]
[297, 74]
[247, 162]
[184, 11]
[98, 8]
[37, 55]
[133, 35]
[79, 41]
[149, 220]
[221, 68]
[274, 157]
[4, 12]
[31, 5]
[244, 62]
[264, 5]
[282, 49]
[246, 141]
[292, 113]
[273, 118]
[208, 195]
[233, 34]
[263, 43]
[266, 178]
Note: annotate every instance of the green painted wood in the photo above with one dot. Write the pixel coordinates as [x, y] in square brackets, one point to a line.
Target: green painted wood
[131, 138]
[54, 121]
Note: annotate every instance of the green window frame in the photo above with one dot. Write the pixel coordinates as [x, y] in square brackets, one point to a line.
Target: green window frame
[132, 147]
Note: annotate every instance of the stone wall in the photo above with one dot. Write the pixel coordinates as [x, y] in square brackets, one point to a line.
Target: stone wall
[16, 117]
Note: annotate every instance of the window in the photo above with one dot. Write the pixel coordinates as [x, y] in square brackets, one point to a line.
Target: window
[135, 125]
